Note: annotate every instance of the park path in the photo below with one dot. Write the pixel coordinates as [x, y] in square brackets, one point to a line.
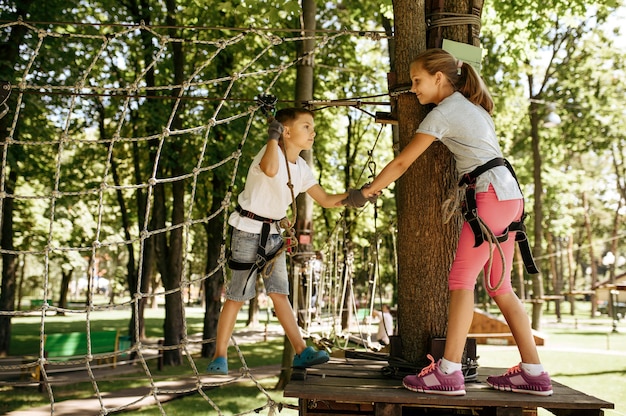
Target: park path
[135, 398]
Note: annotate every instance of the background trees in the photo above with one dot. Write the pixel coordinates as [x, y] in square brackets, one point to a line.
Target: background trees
[123, 214]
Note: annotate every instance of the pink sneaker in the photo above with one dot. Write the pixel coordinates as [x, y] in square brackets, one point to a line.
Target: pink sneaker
[518, 381]
[432, 380]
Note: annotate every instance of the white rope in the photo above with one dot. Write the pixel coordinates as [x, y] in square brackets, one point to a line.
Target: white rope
[452, 205]
[105, 41]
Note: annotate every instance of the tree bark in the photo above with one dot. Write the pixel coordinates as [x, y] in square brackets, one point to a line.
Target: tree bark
[304, 203]
[8, 54]
[537, 294]
[66, 278]
[426, 247]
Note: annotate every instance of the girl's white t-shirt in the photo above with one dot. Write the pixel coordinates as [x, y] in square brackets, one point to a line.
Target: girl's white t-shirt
[270, 197]
[469, 132]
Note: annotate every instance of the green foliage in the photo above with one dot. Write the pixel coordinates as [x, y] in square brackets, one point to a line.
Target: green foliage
[562, 57]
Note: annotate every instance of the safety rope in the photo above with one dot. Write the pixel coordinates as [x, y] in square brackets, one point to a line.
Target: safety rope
[267, 104]
[448, 208]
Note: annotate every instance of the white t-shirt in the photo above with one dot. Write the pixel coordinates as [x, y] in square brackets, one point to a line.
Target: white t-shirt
[468, 131]
[270, 197]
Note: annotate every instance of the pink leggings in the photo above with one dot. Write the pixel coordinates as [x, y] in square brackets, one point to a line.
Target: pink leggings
[469, 260]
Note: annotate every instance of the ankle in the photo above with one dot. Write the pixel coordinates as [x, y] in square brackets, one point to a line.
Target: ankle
[448, 367]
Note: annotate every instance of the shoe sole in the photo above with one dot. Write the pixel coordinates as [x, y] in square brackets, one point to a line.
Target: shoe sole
[312, 363]
[525, 391]
[217, 372]
[441, 392]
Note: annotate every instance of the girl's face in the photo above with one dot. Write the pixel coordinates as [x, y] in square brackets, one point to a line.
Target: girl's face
[301, 132]
[428, 88]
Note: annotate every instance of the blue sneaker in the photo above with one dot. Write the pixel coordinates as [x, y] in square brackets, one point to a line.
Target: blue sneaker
[309, 357]
[218, 366]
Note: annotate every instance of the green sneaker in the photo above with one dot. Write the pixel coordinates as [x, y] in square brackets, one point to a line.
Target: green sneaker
[310, 357]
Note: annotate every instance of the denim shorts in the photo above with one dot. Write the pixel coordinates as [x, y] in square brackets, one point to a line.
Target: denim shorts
[244, 246]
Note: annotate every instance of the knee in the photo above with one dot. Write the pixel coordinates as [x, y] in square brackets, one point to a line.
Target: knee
[278, 297]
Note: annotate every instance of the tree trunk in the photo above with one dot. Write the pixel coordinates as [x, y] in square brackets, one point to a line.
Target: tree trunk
[139, 281]
[8, 54]
[422, 279]
[592, 256]
[171, 255]
[213, 285]
[9, 265]
[537, 295]
[304, 218]
[66, 278]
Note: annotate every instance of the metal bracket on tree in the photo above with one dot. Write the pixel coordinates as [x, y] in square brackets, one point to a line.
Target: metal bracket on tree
[267, 102]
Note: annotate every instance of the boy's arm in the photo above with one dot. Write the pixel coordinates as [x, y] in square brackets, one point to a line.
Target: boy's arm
[325, 199]
[270, 161]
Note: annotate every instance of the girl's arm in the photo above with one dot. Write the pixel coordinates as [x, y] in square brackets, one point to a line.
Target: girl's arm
[399, 164]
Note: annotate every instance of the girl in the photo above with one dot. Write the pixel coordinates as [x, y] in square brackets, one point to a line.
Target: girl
[461, 121]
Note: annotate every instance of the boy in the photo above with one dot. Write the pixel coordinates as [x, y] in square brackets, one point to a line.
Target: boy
[256, 231]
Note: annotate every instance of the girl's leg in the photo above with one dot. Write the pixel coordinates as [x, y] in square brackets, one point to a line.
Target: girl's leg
[469, 261]
[460, 317]
[225, 326]
[516, 317]
[287, 319]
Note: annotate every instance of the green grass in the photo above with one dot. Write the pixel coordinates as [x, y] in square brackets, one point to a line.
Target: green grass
[580, 352]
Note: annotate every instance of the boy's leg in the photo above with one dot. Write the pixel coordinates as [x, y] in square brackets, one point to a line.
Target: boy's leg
[287, 319]
[225, 326]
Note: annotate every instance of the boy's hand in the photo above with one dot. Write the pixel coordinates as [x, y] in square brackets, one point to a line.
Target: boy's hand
[275, 130]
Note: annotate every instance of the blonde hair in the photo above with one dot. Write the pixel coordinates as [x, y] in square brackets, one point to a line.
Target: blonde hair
[463, 77]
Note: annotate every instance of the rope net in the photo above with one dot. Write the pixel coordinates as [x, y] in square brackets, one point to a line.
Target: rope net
[111, 133]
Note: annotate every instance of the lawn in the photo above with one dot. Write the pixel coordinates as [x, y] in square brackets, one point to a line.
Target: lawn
[580, 352]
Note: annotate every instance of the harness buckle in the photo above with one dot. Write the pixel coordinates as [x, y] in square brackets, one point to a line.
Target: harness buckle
[260, 263]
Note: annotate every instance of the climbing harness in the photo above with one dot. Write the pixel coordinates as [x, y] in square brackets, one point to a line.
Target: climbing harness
[263, 259]
[264, 262]
[481, 232]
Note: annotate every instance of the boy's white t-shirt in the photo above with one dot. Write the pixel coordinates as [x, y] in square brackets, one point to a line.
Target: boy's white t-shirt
[270, 197]
[468, 131]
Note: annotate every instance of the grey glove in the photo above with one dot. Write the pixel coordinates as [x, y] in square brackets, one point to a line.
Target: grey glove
[275, 130]
[356, 199]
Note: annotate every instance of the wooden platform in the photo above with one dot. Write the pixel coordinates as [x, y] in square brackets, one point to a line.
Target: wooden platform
[346, 386]
[488, 329]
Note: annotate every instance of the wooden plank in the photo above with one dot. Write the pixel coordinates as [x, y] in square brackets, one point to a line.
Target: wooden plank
[362, 381]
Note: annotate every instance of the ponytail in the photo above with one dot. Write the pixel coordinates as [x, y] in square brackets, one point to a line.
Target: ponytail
[461, 75]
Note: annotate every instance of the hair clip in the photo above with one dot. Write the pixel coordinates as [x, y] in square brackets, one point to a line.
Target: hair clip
[459, 65]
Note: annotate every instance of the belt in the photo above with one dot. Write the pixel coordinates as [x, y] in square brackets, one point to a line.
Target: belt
[252, 215]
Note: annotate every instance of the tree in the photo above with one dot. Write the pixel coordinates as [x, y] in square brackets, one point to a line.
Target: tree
[422, 279]
[555, 31]
[14, 38]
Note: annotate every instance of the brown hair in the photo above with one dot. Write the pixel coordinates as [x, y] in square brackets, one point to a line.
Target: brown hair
[285, 115]
[464, 79]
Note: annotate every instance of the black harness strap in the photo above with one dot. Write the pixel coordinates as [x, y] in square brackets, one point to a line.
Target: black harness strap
[470, 213]
[262, 258]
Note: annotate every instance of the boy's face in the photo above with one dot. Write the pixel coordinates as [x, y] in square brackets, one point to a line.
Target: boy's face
[300, 132]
